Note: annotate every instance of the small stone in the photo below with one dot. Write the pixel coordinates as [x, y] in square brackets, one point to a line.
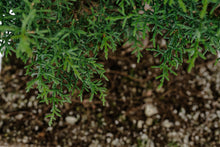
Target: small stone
[216, 125]
[217, 133]
[202, 69]
[71, 120]
[133, 65]
[183, 111]
[29, 104]
[1, 123]
[95, 144]
[19, 140]
[167, 124]
[115, 142]
[3, 116]
[150, 110]
[140, 124]
[60, 123]
[196, 116]
[160, 90]
[144, 137]
[175, 111]
[186, 141]
[188, 93]
[25, 139]
[134, 121]
[196, 138]
[218, 113]
[109, 134]
[20, 73]
[50, 129]
[93, 124]
[36, 128]
[149, 122]
[194, 107]
[177, 123]
[163, 43]
[133, 90]
[150, 143]
[108, 140]
[19, 116]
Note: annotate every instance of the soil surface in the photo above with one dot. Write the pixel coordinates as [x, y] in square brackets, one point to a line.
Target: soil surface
[185, 112]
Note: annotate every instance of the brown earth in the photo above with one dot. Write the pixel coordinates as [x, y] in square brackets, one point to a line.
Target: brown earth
[185, 112]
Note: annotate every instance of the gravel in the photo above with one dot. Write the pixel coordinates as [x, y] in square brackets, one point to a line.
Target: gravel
[135, 115]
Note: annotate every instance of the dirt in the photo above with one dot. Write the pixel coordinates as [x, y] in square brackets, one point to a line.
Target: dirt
[185, 112]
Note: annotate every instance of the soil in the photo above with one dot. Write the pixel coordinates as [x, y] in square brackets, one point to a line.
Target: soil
[185, 112]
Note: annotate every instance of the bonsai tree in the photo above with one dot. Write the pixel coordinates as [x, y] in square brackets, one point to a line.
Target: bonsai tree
[60, 40]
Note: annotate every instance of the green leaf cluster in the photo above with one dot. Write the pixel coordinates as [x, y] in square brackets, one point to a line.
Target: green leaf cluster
[61, 40]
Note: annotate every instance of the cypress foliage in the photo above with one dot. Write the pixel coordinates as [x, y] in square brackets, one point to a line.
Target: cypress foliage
[60, 39]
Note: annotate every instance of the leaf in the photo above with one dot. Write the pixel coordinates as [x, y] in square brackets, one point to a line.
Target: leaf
[171, 2]
[213, 51]
[154, 38]
[204, 8]
[165, 2]
[124, 23]
[76, 73]
[192, 62]
[106, 52]
[49, 115]
[182, 5]
[79, 32]
[24, 47]
[30, 84]
[8, 28]
[182, 26]
[27, 20]
[57, 114]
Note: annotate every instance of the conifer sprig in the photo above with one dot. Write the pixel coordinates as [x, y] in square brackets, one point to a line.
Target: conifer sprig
[60, 40]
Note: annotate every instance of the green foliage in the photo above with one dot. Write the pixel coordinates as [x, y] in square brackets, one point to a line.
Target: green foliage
[60, 40]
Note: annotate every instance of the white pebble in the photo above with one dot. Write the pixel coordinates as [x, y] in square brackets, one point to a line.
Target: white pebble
[196, 116]
[115, 142]
[109, 134]
[116, 122]
[36, 128]
[71, 120]
[194, 107]
[108, 140]
[175, 111]
[144, 137]
[19, 116]
[150, 110]
[218, 113]
[197, 138]
[177, 123]
[133, 65]
[150, 143]
[49, 128]
[140, 124]
[149, 122]
[30, 104]
[163, 43]
[95, 144]
[25, 139]
[167, 124]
